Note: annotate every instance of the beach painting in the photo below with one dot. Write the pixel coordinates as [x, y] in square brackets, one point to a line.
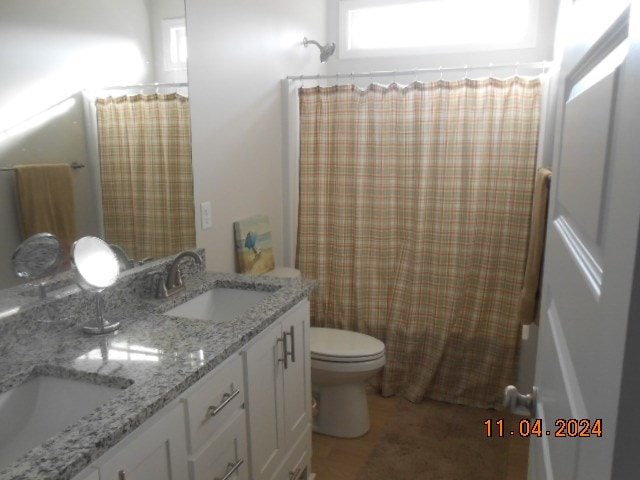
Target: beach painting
[254, 248]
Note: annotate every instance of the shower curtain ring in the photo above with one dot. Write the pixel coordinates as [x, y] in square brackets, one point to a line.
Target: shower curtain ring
[337, 81]
[517, 69]
[352, 82]
[441, 73]
[466, 72]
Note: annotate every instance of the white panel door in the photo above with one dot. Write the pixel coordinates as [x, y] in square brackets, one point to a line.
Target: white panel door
[297, 379]
[264, 377]
[592, 243]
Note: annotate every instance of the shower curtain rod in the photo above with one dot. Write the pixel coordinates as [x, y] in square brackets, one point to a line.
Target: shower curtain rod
[144, 85]
[545, 65]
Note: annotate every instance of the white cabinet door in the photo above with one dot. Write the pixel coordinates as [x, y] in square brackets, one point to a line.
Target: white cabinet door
[587, 387]
[297, 387]
[157, 453]
[278, 391]
[264, 407]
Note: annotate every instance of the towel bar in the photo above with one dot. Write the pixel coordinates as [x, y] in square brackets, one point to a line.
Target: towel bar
[74, 165]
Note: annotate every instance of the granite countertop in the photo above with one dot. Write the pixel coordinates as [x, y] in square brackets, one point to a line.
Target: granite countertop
[154, 357]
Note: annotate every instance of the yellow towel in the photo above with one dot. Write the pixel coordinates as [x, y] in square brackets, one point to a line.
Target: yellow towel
[45, 201]
[529, 295]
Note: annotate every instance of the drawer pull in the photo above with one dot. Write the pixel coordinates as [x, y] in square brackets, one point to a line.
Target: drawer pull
[226, 398]
[294, 474]
[231, 468]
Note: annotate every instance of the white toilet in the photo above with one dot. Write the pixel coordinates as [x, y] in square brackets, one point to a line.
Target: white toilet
[341, 362]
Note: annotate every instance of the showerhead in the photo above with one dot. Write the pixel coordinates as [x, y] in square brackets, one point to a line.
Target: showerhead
[325, 51]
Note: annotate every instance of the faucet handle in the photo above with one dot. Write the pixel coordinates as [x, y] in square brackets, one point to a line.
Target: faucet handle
[178, 280]
[157, 283]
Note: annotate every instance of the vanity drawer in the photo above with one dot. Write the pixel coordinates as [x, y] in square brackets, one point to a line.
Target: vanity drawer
[210, 407]
[225, 456]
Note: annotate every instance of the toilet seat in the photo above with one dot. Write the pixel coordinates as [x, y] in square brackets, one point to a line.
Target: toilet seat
[343, 346]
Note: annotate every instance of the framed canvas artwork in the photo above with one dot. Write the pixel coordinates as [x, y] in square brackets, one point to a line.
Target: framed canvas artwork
[254, 248]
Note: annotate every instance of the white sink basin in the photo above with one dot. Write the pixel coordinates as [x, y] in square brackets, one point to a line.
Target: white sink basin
[42, 407]
[219, 304]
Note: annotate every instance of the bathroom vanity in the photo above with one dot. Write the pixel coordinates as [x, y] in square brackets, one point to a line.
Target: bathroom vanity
[226, 397]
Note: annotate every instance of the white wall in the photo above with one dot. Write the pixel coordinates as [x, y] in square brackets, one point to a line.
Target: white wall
[54, 49]
[238, 53]
[542, 51]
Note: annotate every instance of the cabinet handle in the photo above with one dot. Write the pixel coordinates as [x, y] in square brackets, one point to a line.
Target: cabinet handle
[121, 475]
[285, 352]
[293, 474]
[291, 333]
[231, 467]
[214, 410]
[284, 358]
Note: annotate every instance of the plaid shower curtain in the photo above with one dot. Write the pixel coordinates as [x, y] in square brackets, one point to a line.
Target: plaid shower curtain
[414, 217]
[146, 174]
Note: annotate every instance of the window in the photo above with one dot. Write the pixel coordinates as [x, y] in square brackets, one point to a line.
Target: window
[174, 44]
[395, 27]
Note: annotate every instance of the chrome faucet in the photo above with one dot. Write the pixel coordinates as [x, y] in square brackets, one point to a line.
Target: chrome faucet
[173, 283]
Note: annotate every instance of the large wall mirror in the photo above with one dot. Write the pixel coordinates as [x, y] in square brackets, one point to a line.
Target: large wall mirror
[57, 59]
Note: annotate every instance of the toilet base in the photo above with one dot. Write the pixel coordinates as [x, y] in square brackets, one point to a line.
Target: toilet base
[343, 410]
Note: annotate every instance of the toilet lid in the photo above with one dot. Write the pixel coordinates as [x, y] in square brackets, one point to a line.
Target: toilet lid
[337, 345]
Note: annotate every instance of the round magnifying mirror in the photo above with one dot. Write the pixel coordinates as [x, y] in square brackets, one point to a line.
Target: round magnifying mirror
[95, 264]
[38, 256]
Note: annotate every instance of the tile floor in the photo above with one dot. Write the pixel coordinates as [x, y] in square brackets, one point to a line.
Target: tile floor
[344, 459]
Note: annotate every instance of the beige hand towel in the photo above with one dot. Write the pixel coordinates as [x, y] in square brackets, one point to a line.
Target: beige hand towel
[45, 198]
[529, 295]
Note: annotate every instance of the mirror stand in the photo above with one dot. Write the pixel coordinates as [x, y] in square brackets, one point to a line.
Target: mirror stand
[102, 325]
[96, 268]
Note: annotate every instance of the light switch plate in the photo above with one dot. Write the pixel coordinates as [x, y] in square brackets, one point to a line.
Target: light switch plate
[205, 213]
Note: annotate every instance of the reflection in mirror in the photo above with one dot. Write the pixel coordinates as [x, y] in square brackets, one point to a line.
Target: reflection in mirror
[96, 268]
[60, 57]
[38, 256]
[119, 351]
[124, 262]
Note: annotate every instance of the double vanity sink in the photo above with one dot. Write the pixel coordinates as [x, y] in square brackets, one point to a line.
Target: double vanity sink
[219, 304]
[67, 397]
